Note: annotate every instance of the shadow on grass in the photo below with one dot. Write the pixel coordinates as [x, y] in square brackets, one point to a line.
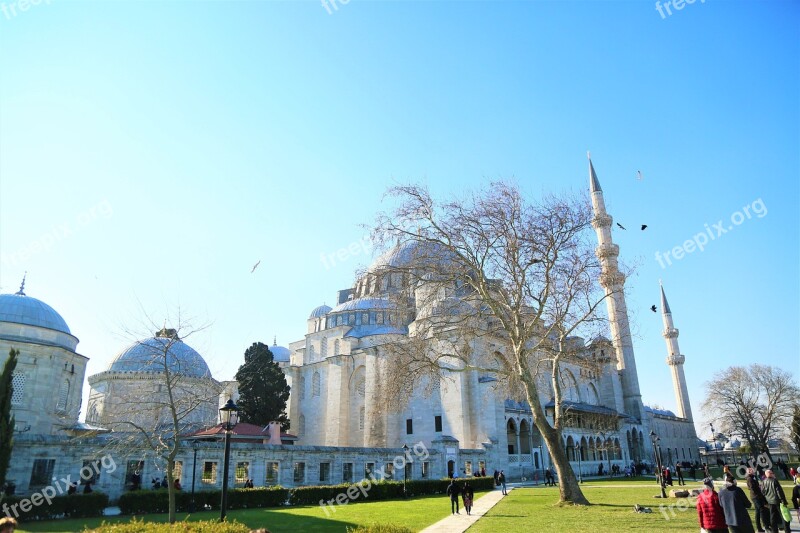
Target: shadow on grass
[274, 521]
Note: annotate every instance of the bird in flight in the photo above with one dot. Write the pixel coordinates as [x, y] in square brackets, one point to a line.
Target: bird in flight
[644, 227]
[653, 308]
[639, 175]
[620, 225]
[255, 266]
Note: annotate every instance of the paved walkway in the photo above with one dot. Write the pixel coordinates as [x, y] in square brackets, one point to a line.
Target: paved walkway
[458, 523]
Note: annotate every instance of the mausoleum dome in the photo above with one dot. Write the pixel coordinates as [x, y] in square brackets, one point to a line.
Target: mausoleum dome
[147, 356]
[23, 309]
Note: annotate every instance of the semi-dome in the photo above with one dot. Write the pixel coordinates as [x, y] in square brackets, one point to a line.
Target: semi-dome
[363, 304]
[147, 356]
[322, 310]
[20, 308]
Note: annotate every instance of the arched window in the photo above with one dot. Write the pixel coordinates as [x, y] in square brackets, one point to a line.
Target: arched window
[301, 388]
[311, 352]
[315, 384]
[571, 448]
[511, 435]
[301, 426]
[336, 347]
[569, 387]
[18, 387]
[361, 418]
[63, 396]
[323, 347]
[585, 449]
[524, 437]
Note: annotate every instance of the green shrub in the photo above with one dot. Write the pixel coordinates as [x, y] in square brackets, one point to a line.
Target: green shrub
[138, 526]
[72, 506]
[157, 501]
[379, 528]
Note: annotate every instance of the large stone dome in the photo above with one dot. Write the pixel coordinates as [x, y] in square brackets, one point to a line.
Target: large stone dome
[22, 309]
[147, 356]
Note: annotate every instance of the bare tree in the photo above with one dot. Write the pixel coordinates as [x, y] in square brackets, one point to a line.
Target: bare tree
[176, 398]
[756, 402]
[496, 285]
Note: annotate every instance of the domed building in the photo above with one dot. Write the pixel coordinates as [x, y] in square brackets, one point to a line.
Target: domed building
[137, 381]
[48, 378]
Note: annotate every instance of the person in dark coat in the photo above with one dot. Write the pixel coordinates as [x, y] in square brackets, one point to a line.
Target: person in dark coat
[679, 473]
[796, 496]
[468, 494]
[87, 488]
[759, 502]
[773, 493]
[453, 491]
[502, 479]
[735, 505]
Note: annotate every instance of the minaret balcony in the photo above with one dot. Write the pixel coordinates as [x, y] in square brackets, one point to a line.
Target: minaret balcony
[604, 251]
[670, 333]
[675, 359]
[611, 280]
[601, 221]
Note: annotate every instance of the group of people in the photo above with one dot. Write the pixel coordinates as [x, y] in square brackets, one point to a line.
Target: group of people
[726, 510]
[466, 492]
[164, 483]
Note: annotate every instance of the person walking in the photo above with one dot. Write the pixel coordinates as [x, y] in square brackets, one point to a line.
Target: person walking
[467, 494]
[502, 479]
[774, 495]
[735, 504]
[759, 502]
[679, 473]
[709, 512]
[796, 496]
[453, 491]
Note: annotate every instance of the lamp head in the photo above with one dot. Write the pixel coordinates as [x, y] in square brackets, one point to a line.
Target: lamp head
[229, 413]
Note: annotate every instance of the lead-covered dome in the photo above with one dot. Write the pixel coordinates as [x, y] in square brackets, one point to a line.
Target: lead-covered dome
[319, 311]
[148, 356]
[22, 309]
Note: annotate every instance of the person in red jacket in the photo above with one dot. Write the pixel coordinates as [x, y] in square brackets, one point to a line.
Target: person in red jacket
[710, 513]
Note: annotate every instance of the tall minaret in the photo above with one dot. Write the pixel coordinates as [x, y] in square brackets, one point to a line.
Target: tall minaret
[613, 281]
[675, 360]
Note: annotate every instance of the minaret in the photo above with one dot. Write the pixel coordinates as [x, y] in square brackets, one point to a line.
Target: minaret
[675, 360]
[613, 281]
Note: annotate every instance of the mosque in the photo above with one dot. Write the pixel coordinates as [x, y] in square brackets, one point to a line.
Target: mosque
[334, 371]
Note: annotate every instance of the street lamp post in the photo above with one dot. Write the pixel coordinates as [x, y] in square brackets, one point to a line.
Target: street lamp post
[714, 438]
[541, 459]
[405, 469]
[195, 445]
[655, 439]
[229, 415]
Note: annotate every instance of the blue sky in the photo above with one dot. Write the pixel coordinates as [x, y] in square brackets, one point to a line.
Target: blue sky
[151, 153]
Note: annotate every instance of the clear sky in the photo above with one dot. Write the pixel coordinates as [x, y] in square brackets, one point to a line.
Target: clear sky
[152, 152]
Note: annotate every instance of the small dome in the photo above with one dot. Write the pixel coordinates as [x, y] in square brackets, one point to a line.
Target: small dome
[322, 310]
[22, 309]
[144, 356]
[363, 304]
[279, 353]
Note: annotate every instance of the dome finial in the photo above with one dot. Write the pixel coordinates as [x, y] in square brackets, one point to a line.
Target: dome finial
[21, 291]
[275, 340]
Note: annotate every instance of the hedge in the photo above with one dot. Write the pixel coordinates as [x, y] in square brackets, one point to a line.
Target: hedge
[72, 506]
[206, 526]
[157, 501]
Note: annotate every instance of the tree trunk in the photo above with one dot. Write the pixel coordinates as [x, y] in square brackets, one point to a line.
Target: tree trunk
[568, 486]
[171, 490]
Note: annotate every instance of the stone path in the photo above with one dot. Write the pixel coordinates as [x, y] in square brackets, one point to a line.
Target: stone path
[458, 523]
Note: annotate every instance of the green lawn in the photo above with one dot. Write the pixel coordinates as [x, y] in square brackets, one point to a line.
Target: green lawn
[537, 509]
[415, 513]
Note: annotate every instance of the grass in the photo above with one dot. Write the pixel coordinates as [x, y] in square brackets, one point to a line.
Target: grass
[611, 510]
[415, 513]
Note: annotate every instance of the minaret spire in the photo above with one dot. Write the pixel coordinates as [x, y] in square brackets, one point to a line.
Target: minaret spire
[613, 281]
[675, 360]
[21, 291]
